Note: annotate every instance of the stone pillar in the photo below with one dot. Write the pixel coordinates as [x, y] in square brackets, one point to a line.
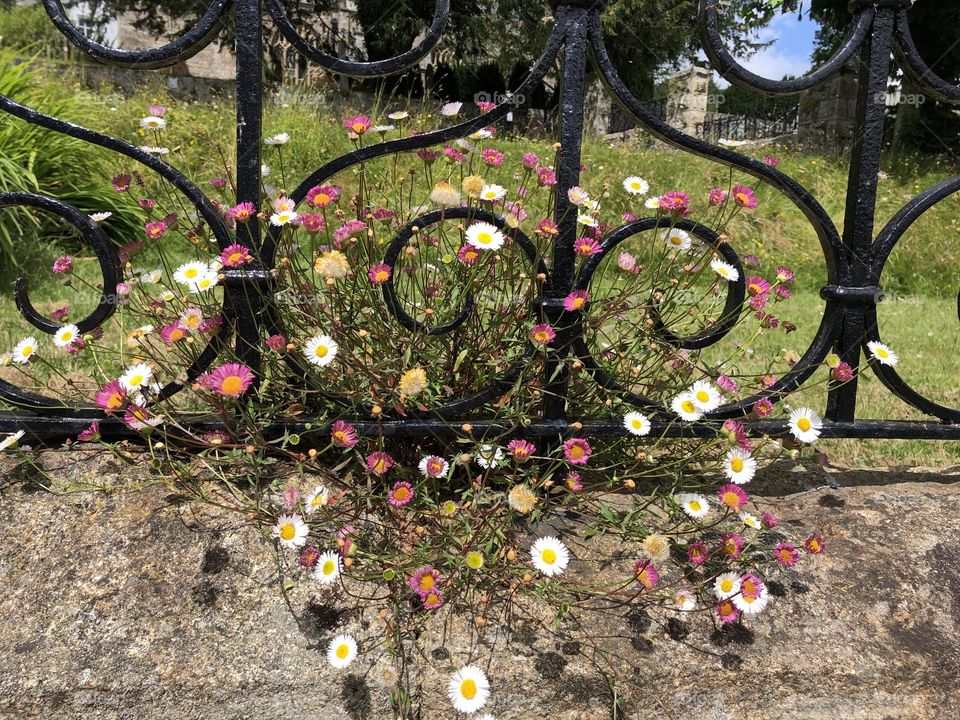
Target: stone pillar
[687, 96]
[827, 111]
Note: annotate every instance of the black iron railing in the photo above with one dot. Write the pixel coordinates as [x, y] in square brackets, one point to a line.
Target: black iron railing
[854, 259]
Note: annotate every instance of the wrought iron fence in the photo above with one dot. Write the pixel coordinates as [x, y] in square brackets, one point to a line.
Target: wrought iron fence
[854, 259]
[744, 128]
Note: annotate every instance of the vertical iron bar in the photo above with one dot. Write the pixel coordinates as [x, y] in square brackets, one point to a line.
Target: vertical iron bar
[873, 73]
[563, 265]
[246, 293]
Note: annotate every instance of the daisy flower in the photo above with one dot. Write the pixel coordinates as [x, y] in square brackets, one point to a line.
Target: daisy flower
[492, 193]
[815, 544]
[520, 449]
[468, 689]
[732, 496]
[398, 115]
[278, 139]
[685, 600]
[738, 466]
[751, 520]
[378, 274]
[587, 220]
[731, 545]
[636, 185]
[575, 300]
[235, 255]
[379, 462]
[434, 466]
[805, 425]
[697, 553]
[676, 202]
[230, 380]
[587, 246]
[726, 585]
[343, 434]
[400, 494]
[705, 396]
[451, 109]
[358, 124]
[577, 195]
[488, 456]
[786, 554]
[577, 451]
[317, 499]
[685, 406]
[328, 566]
[522, 499]
[190, 272]
[656, 547]
[111, 396]
[10, 440]
[636, 423]
[652, 203]
[696, 506]
[284, 217]
[727, 611]
[66, 335]
[24, 350]
[412, 382]
[646, 574]
[291, 531]
[424, 580]
[753, 595]
[208, 280]
[744, 197]
[136, 376]
[882, 353]
[342, 651]
[550, 556]
[99, 217]
[725, 270]
[433, 599]
[484, 236]
[152, 122]
[320, 350]
[543, 334]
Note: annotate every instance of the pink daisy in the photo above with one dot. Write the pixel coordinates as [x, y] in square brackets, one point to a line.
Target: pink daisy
[312, 222]
[785, 275]
[546, 177]
[573, 481]
[155, 229]
[727, 384]
[60, 314]
[727, 611]
[675, 202]
[62, 265]
[763, 408]
[786, 554]
[242, 212]
[543, 334]
[815, 543]
[379, 462]
[219, 183]
[433, 466]
[344, 435]
[309, 556]
[521, 449]
[485, 106]
[138, 417]
[587, 246]
[235, 255]
[575, 300]
[493, 158]
[627, 261]
[229, 380]
[357, 124]
[468, 255]
[428, 156]
[111, 396]
[453, 155]
[577, 451]
[432, 599]
[121, 183]
[744, 197]
[322, 195]
[277, 343]
[400, 494]
[769, 520]
[424, 580]
[173, 333]
[737, 433]
[842, 372]
[750, 585]
[147, 203]
[91, 433]
[731, 545]
[733, 496]
[379, 273]
[771, 160]
[530, 161]
[717, 196]
[768, 380]
[349, 228]
[646, 574]
[697, 553]
[546, 228]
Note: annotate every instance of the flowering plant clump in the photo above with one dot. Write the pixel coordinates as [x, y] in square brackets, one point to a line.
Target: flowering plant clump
[406, 285]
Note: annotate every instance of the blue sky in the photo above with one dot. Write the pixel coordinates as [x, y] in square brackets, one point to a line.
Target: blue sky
[790, 51]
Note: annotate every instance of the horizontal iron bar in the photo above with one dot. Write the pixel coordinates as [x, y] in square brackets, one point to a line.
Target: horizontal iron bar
[39, 429]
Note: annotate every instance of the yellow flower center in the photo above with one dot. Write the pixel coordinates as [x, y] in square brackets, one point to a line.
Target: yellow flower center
[754, 288]
[749, 587]
[688, 406]
[785, 555]
[703, 396]
[176, 334]
[115, 401]
[676, 240]
[328, 567]
[549, 556]
[881, 353]
[382, 275]
[191, 272]
[731, 499]
[358, 128]
[322, 199]
[231, 385]
[743, 197]
[468, 689]
[136, 380]
[321, 351]
[736, 464]
[27, 350]
[287, 531]
[484, 238]
[342, 651]
[235, 258]
[695, 505]
[380, 466]
[814, 545]
[804, 424]
[427, 582]
[726, 585]
[576, 452]
[341, 436]
[401, 494]
[542, 336]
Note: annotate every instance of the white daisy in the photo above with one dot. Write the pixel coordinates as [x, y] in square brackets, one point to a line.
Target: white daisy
[152, 276]
[24, 350]
[451, 109]
[752, 604]
[488, 456]
[738, 466]
[482, 134]
[152, 122]
[725, 270]
[578, 196]
[317, 499]
[685, 600]
[284, 217]
[320, 350]
[278, 139]
[328, 567]
[439, 471]
[805, 425]
[636, 185]
[291, 531]
[399, 115]
[882, 353]
[167, 296]
[485, 236]
[264, 170]
[10, 440]
[191, 272]
[636, 423]
[550, 556]
[468, 689]
[587, 220]
[342, 651]
[492, 193]
[696, 506]
[652, 203]
[751, 520]
[136, 376]
[99, 217]
[677, 239]
[705, 396]
[66, 335]
[154, 150]
[208, 280]
[726, 585]
[383, 129]
[685, 406]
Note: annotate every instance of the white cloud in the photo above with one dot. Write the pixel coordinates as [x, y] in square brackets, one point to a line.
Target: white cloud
[776, 60]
